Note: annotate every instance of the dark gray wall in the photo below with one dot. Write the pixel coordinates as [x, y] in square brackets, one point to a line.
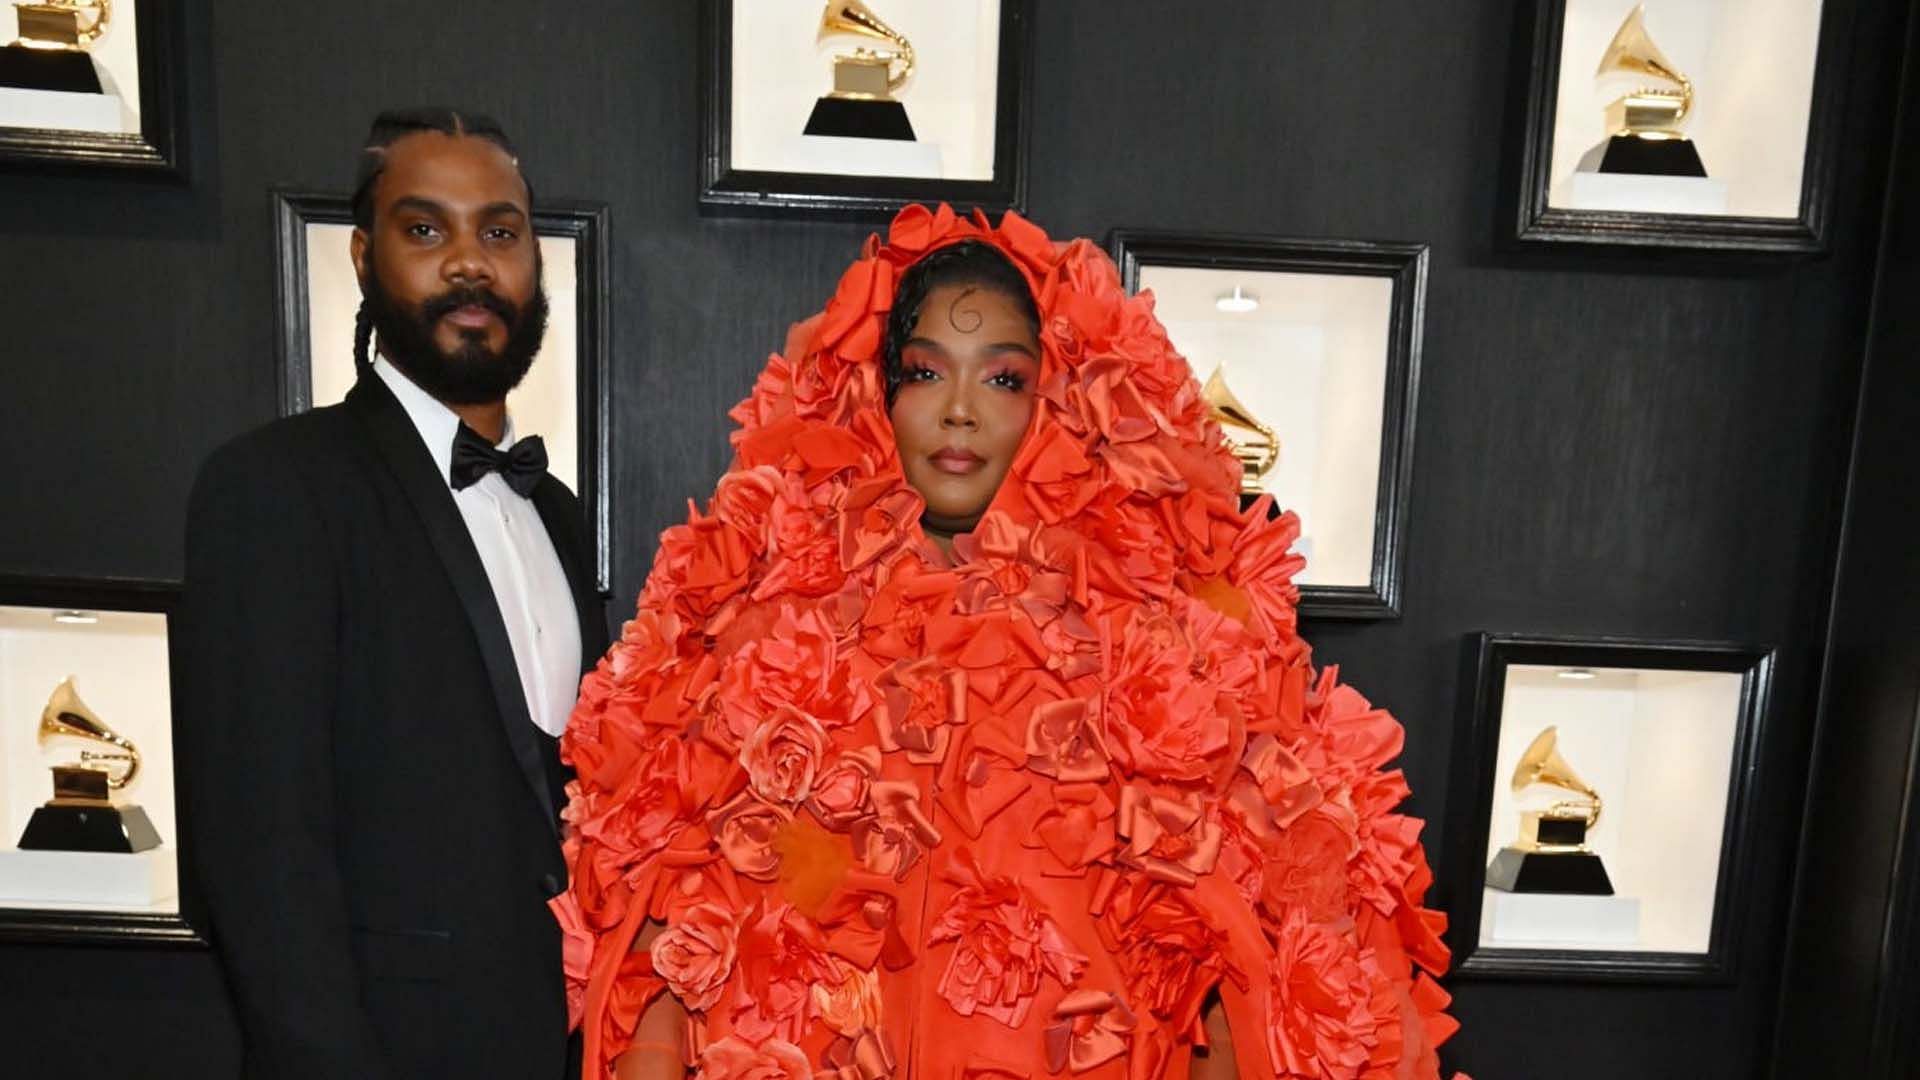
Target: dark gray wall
[1621, 446]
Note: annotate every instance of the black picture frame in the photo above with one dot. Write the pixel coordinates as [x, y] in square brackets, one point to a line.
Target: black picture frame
[1405, 264]
[1531, 222]
[158, 152]
[727, 190]
[46, 926]
[1488, 656]
[587, 224]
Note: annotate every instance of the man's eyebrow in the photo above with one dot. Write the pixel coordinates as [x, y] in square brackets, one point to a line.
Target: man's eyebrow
[419, 204]
[503, 208]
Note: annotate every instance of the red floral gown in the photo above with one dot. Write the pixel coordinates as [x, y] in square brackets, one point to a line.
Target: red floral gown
[1019, 815]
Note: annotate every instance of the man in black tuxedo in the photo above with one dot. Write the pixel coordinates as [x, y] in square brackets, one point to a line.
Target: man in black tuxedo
[388, 609]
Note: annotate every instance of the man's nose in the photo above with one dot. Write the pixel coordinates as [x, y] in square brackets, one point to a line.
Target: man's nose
[467, 263]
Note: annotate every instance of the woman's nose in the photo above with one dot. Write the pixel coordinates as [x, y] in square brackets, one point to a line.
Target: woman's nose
[959, 412]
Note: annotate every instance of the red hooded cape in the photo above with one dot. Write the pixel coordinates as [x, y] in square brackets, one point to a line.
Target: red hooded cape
[1017, 815]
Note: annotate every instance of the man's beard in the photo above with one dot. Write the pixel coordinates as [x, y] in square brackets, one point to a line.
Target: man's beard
[472, 374]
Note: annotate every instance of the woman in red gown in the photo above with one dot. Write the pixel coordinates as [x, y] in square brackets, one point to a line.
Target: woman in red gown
[966, 733]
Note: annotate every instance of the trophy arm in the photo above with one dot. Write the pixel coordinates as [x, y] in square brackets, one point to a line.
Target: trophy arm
[132, 759]
[904, 57]
[92, 33]
[129, 756]
[1587, 808]
[1686, 98]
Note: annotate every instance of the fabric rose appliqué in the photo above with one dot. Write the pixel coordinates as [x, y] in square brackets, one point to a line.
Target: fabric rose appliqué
[1003, 947]
[733, 1058]
[1305, 866]
[922, 702]
[1318, 1023]
[843, 790]
[744, 831]
[696, 954]
[1171, 955]
[1162, 719]
[1064, 741]
[782, 956]
[893, 838]
[848, 1002]
[795, 664]
[783, 755]
[744, 500]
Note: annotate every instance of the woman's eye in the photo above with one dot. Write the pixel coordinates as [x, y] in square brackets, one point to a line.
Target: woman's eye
[1009, 380]
[917, 374]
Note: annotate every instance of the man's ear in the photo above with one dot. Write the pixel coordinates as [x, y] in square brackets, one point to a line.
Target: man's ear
[357, 249]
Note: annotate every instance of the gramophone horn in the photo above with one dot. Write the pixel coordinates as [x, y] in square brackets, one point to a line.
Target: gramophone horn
[1542, 764]
[67, 716]
[1632, 49]
[1253, 442]
[856, 18]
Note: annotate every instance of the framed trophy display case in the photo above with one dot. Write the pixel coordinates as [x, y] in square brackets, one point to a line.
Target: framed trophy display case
[93, 84]
[856, 107]
[564, 398]
[1611, 792]
[1705, 124]
[91, 840]
[1308, 352]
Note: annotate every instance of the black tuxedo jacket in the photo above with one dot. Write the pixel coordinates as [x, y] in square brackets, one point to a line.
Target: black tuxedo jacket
[371, 811]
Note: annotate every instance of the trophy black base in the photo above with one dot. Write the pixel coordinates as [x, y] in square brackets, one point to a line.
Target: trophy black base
[1247, 499]
[1577, 873]
[123, 829]
[48, 69]
[1644, 157]
[855, 119]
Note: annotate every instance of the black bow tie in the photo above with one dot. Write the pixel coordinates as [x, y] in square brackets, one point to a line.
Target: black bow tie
[520, 465]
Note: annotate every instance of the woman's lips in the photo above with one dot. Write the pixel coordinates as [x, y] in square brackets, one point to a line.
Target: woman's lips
[955, 460]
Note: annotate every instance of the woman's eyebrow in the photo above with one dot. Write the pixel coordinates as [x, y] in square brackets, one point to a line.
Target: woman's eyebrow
[923, 343]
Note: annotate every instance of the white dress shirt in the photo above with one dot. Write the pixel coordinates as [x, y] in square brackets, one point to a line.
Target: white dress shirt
[529, 585]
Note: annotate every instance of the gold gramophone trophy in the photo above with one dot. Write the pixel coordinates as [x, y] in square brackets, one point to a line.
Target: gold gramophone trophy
[1552, 855]
[1253, 443]
[83, 815]
[51, 51]
[861, 105]
[1643, 127]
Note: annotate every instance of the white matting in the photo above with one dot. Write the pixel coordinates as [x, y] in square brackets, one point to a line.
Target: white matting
[63, 111]
[1554, 919]
[89, 879]
[1647, 194]
[860, 157]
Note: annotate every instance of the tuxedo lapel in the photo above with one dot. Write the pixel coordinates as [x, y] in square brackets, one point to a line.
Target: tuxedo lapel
[397, 443]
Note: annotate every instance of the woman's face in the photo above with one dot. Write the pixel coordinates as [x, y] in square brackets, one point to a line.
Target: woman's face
[966, 393]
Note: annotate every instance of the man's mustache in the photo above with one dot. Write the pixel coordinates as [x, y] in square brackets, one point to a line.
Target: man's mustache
[432, 310]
